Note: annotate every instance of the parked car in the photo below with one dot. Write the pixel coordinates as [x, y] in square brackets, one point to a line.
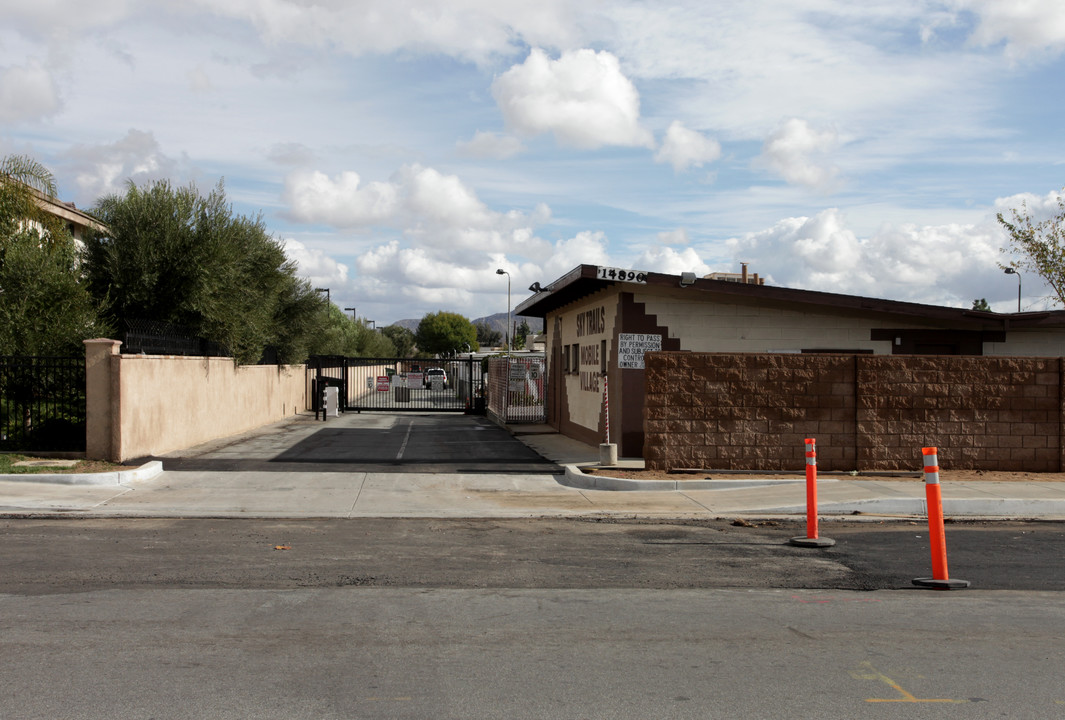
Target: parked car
[434, 373]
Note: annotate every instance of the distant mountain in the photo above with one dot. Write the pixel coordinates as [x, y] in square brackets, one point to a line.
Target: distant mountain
[496, 322]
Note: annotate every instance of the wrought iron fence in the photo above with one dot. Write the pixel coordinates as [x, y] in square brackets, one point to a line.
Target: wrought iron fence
[42, 403]
[152, 337]
[516, 389]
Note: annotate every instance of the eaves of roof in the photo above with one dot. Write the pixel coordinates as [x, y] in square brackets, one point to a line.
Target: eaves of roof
[582, 281]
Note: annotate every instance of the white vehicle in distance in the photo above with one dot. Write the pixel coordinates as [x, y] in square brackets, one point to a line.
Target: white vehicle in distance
[433, 373]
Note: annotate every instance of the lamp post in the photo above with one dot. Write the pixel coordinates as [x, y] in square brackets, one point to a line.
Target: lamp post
[326, 291]
[510, 339]
[354, 315]
[1013, 271]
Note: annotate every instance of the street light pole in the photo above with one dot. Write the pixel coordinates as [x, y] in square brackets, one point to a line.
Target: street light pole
[510, 337]
[354, 315]
[1013, 271]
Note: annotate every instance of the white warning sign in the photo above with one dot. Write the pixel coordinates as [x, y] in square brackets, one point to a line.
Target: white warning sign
[632, 346]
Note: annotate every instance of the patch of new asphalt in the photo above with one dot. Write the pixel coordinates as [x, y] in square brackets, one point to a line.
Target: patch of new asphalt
[49, 556]
[377, 443]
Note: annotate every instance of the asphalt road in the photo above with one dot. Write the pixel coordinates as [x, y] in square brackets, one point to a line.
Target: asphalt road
[61, 556]
[378, 618]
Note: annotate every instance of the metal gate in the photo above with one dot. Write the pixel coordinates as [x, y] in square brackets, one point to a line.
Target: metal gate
[516, 389]
[397, 384]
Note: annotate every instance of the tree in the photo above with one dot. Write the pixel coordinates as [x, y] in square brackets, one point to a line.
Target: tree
[23, 181]
[521, 335]
[341, 335]
[402, 339]
[981, 304]
[1038, 246]
[445, 332]
[44, 307]
[174, 256]
[486, 336]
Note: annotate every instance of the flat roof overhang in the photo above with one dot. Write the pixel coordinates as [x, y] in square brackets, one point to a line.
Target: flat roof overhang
[583, 281]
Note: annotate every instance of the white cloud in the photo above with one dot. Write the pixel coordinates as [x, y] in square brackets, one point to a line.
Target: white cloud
[27, 92]
[439, 212]
[683, 148]
[104, 169]
[584, 248]
[668, 260]
[582, 98]
[470, 29]
[943, 264]
[315, 265]
[491, 145]
[799, 154]
[674, 237]
[1024, 26]
[340, 201]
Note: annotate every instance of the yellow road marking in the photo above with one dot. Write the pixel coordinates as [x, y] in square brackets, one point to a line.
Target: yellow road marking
[906, 697]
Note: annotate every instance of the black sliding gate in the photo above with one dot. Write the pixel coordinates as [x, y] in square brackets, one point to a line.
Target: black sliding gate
[397, 384]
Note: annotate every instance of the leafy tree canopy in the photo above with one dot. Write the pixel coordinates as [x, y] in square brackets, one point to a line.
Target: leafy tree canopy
[445, 332]
[175, 256]
[1038, 246]
[402, 339]
[342, 335]
[981, 304]
[44, 308]
[521, 335]
[486, 336]
[23, 183]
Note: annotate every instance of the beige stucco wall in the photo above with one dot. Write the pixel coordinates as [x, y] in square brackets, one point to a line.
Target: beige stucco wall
[141, 405]
[721, 327]
[1030, 343]
[583, 385]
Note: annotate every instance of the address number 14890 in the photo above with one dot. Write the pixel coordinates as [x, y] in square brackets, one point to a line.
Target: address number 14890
[621, 275]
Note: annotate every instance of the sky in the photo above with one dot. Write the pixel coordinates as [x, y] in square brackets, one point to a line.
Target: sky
[405, 151]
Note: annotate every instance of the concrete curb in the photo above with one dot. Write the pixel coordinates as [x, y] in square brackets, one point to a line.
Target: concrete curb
[118, 477]
[575, 478]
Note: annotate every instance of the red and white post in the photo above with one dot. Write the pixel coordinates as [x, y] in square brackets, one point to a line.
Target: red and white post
[811, 539]
[940, 579]
[608, 451]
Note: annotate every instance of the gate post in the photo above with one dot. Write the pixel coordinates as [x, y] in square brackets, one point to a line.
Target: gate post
[102, 406]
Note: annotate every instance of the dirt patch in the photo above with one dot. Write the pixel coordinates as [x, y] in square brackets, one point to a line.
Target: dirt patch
[944, 475]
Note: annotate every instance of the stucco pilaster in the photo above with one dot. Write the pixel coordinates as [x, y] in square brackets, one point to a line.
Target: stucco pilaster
[101, 398]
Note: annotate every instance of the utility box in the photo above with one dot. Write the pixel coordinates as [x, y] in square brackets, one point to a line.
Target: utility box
[332, 401]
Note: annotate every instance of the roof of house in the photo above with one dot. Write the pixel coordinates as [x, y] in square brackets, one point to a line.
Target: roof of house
[67, 212]
[584, 280]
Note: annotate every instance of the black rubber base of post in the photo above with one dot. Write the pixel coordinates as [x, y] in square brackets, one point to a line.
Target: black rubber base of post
[949, 584]
[818, 542]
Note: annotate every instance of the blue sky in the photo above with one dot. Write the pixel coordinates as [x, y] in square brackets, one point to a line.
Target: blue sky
[404, 151]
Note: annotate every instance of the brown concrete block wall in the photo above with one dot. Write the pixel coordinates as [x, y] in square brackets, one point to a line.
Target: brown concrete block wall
[724, 411]
[748, 411]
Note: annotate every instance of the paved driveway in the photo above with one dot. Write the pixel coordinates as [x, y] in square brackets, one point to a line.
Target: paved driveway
[370, 442]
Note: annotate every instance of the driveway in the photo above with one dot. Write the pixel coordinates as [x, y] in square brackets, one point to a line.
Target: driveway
[370, 442]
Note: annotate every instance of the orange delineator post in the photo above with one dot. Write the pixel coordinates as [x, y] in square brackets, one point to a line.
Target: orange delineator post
[811, 488]
[936, 534]
[934, 496]
[811, 539]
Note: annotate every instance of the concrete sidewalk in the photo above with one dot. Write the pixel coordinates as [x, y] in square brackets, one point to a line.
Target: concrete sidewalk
[508, 495]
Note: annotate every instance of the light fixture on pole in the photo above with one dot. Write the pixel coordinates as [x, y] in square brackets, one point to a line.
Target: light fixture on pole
[354, 315]
[326, 291]
[510, 338]
[1013, 271]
